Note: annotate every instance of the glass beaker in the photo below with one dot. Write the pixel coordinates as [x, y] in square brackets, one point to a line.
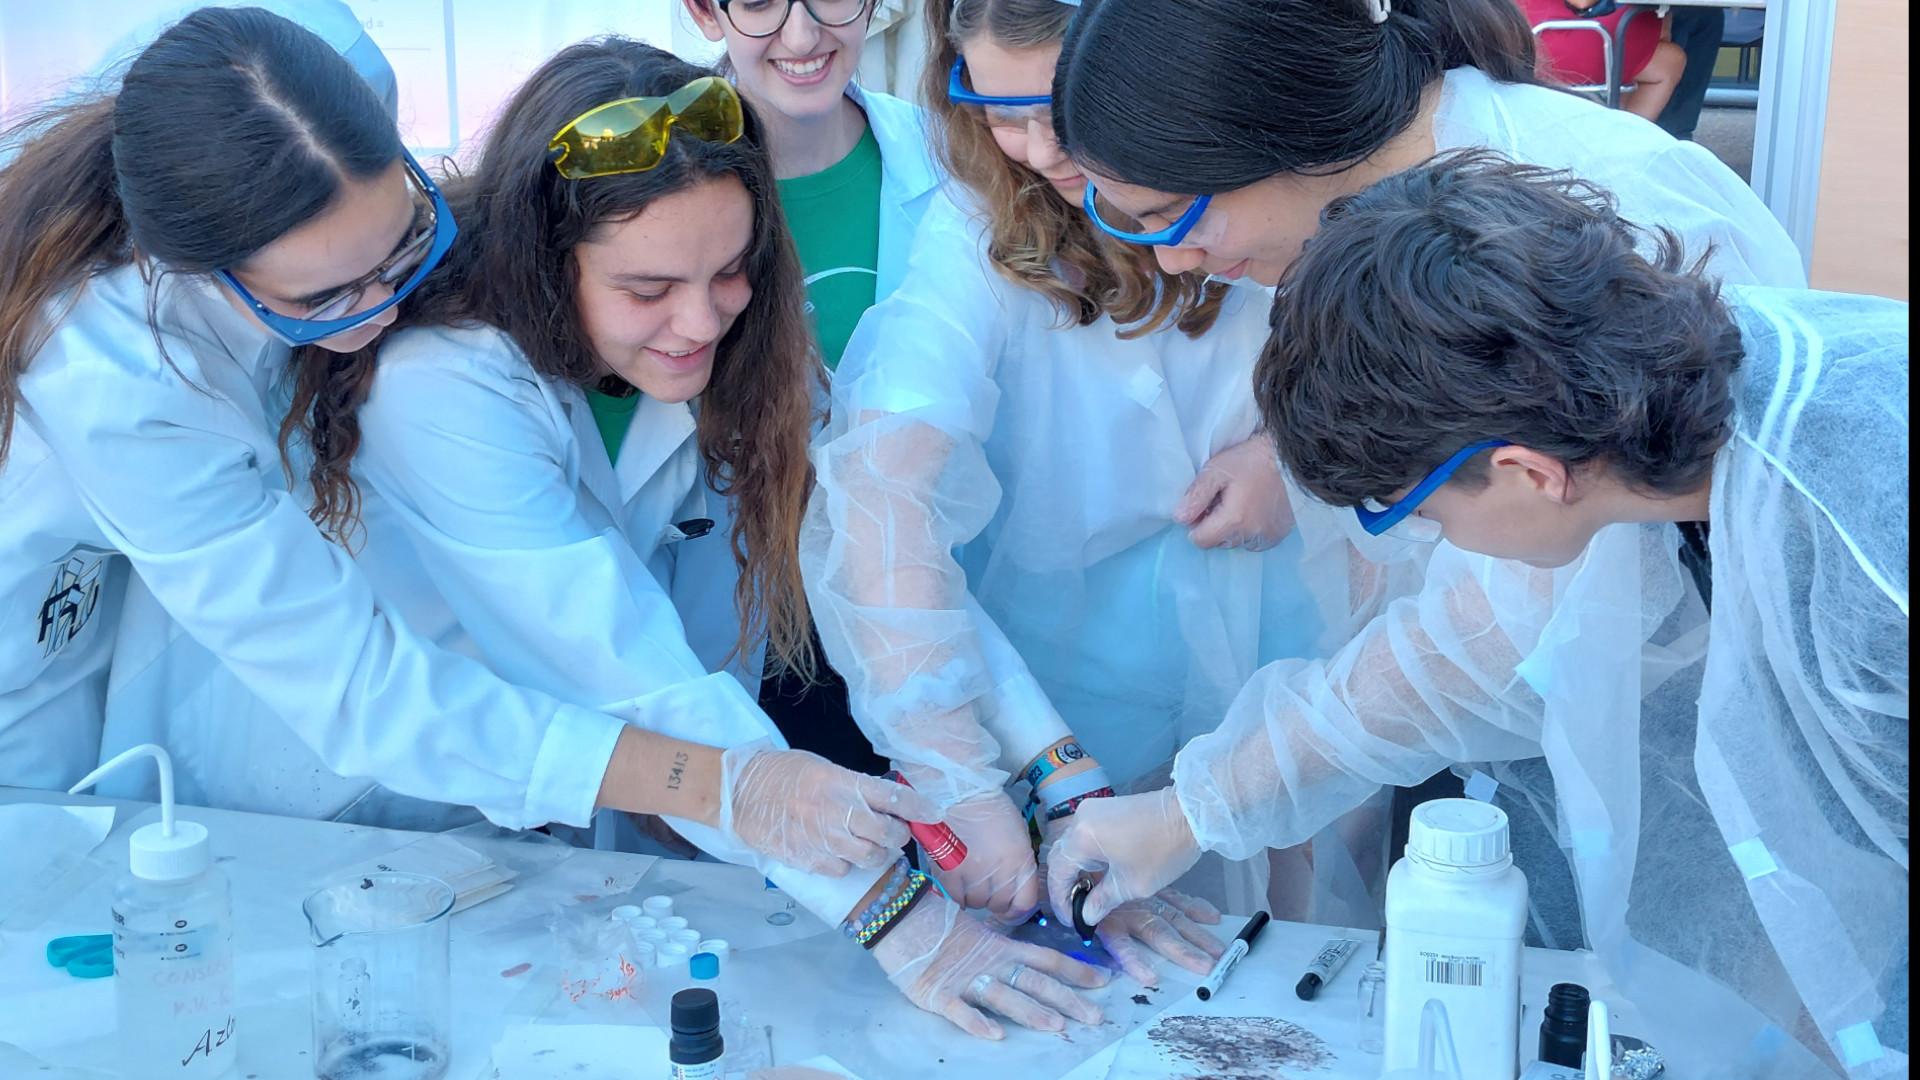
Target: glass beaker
[380, 983]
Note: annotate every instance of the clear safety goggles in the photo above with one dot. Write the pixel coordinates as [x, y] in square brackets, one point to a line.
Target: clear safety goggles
[425, 244]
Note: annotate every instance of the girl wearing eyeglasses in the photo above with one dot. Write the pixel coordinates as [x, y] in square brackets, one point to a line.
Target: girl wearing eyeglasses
[621, 236]
[245, 192]
[1215, 131]
[854, 178]
[995, 550]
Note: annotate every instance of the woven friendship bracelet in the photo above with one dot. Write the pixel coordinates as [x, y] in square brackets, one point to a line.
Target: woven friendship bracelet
[896, 882]
[1067, 808]
[871, 933]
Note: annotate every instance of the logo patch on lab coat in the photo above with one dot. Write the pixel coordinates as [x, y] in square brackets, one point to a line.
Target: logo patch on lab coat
[70, 602]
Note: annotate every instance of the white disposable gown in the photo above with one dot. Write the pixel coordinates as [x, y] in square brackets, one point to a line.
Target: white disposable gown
[160, 443]
[991, 552]
[1729, 789]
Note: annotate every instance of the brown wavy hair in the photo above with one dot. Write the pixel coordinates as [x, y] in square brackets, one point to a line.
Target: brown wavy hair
[512, 268]
[1034, 233]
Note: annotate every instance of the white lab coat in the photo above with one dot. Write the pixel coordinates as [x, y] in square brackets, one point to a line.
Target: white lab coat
[908, 182]
[66, 598]
[497, 527]
[166, 453]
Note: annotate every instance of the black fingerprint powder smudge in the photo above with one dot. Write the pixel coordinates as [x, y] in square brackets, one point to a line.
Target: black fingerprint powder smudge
[1239, 1047]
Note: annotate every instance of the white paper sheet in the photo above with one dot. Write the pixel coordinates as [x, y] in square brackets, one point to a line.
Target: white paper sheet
[31, 874]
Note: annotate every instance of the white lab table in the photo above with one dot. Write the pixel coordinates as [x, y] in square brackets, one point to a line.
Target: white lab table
[814, 992]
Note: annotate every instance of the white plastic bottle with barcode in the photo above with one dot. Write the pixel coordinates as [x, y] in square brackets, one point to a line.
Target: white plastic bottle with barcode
[1456, 912]
[172, 947]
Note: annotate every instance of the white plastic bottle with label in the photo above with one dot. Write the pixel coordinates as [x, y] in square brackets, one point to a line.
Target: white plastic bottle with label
[172, 946]
[1456, 912]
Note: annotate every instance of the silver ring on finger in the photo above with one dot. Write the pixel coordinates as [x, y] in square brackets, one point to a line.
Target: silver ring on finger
[1013, 978]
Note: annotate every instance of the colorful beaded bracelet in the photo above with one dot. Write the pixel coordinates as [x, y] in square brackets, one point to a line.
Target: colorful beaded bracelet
[871, 933]
[896, 882]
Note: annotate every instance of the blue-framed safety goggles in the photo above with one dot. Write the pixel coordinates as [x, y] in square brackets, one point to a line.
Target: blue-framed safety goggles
[960, 93]
[1378, 519]
[416, 257]
[1166, 237]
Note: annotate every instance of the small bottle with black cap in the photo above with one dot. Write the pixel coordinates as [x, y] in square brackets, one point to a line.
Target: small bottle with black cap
[696, 1050]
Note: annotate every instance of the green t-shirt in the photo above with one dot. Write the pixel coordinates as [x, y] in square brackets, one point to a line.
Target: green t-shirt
[834, 216]
[612, 415]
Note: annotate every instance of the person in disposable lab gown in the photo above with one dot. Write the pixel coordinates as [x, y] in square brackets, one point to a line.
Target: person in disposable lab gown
[53, 695]
[993, 549]
[1673, 561]
[1217, 130]
[146, 379]
[505, 520]
[854, 180]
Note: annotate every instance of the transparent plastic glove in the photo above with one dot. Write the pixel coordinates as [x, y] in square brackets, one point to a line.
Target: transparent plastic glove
[1135, 845]
[802, 810]
[1167, 924]
[998, 874]
[1239, 499]
[948, 962]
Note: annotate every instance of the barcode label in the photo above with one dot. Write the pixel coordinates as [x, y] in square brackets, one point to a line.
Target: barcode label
[1455, 971]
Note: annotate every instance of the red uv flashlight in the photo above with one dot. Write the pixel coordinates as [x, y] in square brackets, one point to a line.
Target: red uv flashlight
[941, 843]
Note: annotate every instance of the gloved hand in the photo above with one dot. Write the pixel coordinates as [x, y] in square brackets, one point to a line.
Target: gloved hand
[1166, 923]
[998, 874]
[1136, 844]
[1239, 499]
[801, 809]
[948, 962]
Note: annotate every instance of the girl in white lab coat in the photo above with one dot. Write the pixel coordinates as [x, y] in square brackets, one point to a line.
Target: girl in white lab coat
[245, 191]
[507, 518]
[994, 548]
[854, 179]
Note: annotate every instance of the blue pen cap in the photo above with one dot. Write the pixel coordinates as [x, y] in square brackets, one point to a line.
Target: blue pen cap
[704, 965]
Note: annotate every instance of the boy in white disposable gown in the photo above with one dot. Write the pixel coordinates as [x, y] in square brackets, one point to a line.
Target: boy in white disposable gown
[1697, 612]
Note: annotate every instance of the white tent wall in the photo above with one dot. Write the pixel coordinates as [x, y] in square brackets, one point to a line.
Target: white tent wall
[444, 103]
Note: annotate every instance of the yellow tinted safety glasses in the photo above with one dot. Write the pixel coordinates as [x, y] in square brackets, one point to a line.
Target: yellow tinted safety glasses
[630, 135]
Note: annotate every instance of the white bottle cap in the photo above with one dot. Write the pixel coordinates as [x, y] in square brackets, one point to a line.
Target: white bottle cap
[645, 955]
[166, 850]
[688, 937]
[672, 953]
[717, 946]
[651, 935]
[625, 913]
[672, 923]
[1458, 834]
[658, 906]
[643, 922]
